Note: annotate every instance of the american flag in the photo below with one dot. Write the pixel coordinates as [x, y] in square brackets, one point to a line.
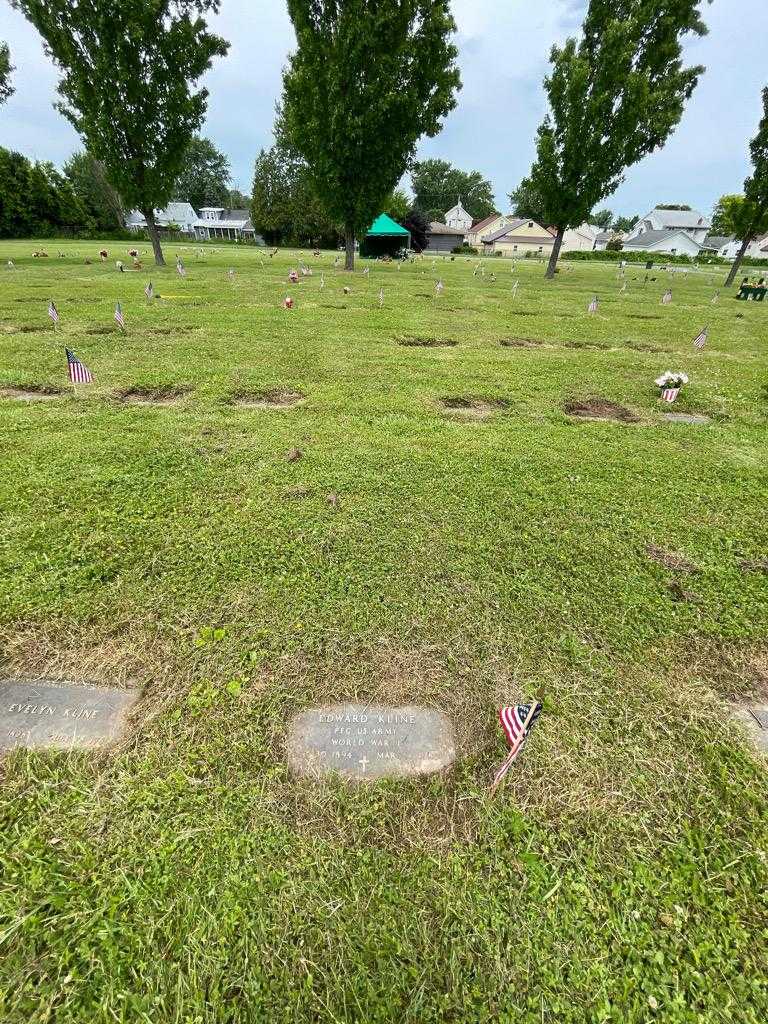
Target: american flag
[381, 297]
[514, 289]
[715, 298]
[181, 269]
[592, 307]
[78, 372]
[322, 281]
[623, 288]
[439, 288]
[701, 339]
[119, 318]
[231, 274]
[53, 313]
[149, 291]
[666, 297]
[517, 722]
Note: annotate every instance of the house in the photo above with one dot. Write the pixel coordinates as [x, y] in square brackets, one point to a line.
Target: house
[580, 239]
[518, 237]
[217, 222]
[487, 226]
[175, 216]
[443, 238]
[695, 224]
[673, 243]
[602, 238]
[457, 217]
[756, 250]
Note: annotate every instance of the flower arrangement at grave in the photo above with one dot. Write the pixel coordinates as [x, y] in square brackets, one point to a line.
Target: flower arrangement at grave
[293, 277]
[288, 302]
[670, 383]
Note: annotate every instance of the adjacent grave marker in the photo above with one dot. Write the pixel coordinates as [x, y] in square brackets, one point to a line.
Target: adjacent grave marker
[754, 718]
[60, 716]
[369, 742]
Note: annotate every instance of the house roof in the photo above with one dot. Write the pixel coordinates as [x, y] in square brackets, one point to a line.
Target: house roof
[436, 228]
[513, 225]
[679, 218]
[510, 226]
[173, 213]
[384, 225]
[717, 241]
[653, 237]
[606, 236]
[481, 224]
[457, 209]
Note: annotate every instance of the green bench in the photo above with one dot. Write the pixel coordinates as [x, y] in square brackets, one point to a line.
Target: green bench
[749, 291]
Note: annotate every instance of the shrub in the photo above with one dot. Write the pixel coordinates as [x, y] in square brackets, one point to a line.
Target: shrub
[464, 250]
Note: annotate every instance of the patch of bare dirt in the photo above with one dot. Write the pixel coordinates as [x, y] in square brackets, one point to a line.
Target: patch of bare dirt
[679, 593]
[24, 328]
[106, 329]
[639, 346]
[427, 342]
[643, 316]
[585, 344]
[277, 398]
[600, 409]
[520, 343]
[31, 392]
[473, 407]
[297, 492]
[754, 565]
[669, 559]
[160, 395]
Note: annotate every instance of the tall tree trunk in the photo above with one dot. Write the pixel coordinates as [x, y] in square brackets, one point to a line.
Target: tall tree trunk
[154, 236]
[737, 263]
[555, 253]
[349, 239]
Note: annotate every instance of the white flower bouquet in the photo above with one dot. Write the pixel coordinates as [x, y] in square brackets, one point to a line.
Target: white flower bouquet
[670, 383]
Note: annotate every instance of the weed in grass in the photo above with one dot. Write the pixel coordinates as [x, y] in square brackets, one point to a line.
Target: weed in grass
[427, 342]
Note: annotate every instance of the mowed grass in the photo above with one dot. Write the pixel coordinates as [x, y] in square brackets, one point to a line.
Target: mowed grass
[414, 553]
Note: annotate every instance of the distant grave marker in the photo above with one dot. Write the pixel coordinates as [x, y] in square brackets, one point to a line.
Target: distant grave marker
[38, 714]
[369, 742]
[685, 417]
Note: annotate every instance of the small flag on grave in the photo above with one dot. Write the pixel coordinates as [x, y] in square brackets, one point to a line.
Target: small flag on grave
[322, 281]
[701, 339]
[53, 313]
[78, 372]
[119, 318]
[149, 291]
[181, 269]
[231, 275]
[381, 297]
[715, 298]
[439, 288]
[623, 288]
[592, 307]
[514, 289]
[10, 264]
[666, 297]
[517, 722]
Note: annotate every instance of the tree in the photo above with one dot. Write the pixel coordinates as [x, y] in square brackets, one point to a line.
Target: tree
[367, 80]
[437, 186]
[6, 89]
[625, 224]
[35, 200]
[602, 219]
[418, 225]
[204, 179]
[238, 200]
[128, 86]
[527, 202]
[88, 178]
[746, 216]
[614, 96]
[284, 207]
[396, 205]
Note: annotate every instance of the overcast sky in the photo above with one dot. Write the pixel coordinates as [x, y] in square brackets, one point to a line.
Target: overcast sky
[503, 51]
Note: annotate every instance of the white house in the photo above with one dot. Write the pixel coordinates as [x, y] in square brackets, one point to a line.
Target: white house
[457, 217]
[756, 250]
[693, 223]
[178, 215]
[580, 239]
[602, 238]
[217, 222]
[673, 243]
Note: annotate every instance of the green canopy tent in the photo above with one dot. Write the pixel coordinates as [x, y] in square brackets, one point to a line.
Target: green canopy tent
[385, 237]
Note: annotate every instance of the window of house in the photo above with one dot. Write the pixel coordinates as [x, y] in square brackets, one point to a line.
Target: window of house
[530, 223]
[514, 248]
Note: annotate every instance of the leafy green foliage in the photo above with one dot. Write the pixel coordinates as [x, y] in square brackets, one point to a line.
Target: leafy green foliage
[89, 181]
[625, 224]
[205, 176]
[437, 186]
[6, 89]
[747, 215]
[528, 202]
[35, 200]
[396, 205]
[602, 218]
[417, 223]
[284, 206]
[614, 96]
[127, 86]
[368, 79]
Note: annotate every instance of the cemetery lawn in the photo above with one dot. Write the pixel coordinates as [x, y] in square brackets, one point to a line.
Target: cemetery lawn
[453, 557]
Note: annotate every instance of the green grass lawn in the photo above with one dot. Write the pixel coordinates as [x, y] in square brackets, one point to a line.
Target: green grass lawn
[467, 560]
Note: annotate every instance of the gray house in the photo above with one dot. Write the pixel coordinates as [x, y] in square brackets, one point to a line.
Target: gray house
[441, 238]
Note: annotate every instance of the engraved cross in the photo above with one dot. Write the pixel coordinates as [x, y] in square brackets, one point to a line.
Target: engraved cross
[364, 762]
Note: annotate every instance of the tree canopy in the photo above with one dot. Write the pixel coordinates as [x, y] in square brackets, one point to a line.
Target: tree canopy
[6, 89]
[88, 179]
[128, 86]
[418, 225]
[396, 205]
[36, 201]
[367, 80]
[614, 96]
[746, 216]
[284, 207]
[601, 219]
[205, 176]
[437, 186]
[625, 224]
[527, 202]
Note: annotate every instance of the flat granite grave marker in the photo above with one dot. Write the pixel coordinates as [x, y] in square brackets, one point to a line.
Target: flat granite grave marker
[754, 719]
[369, 742]
[60, 716]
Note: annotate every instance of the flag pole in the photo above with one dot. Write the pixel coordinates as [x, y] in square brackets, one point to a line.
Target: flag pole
[515, 750]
